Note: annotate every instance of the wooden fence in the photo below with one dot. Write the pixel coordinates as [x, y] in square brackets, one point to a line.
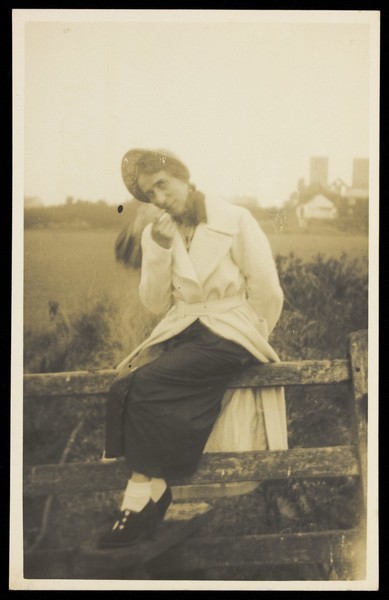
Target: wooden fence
[221, 470]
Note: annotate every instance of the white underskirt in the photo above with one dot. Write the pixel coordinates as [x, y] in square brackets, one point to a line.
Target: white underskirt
[240, 426]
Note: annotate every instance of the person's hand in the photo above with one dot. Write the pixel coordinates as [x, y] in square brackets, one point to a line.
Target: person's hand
[163, 230]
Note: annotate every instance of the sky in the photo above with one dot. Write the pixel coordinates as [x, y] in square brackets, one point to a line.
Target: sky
[244, 103]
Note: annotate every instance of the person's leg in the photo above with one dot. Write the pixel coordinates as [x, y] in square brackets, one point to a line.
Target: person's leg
[140, 488]
[144, 504]
[172, 405]
[174, 401]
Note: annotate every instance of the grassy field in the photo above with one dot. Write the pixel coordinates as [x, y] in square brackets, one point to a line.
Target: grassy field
[74, 267]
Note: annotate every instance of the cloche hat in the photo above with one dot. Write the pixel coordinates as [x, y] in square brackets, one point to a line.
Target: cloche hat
[132, 162]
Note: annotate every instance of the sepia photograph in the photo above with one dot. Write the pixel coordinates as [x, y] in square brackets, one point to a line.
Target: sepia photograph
[194, 389]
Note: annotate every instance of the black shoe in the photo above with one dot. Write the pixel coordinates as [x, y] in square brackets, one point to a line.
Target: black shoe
[164, 502]
[132, 527]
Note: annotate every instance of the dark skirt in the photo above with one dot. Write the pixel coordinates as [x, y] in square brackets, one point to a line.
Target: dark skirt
[171, 403]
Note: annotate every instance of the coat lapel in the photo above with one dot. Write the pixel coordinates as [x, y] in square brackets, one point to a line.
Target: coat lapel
[182, 264]
[212, 240]
[207, 249]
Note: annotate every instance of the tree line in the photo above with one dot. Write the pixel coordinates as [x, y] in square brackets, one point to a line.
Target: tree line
[84, 214]
[79, 214]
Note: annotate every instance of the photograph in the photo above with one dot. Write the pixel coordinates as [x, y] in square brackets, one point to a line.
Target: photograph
[194, 379]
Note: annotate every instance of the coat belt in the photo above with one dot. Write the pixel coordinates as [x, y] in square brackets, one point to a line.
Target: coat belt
[207, 307]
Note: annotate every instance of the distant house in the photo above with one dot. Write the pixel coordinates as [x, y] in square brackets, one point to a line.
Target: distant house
[337, 200]
[318, 207]
[353, 202]
[338, 187]
[353, 199]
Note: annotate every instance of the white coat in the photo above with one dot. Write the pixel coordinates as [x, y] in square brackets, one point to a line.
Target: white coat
[228, 280]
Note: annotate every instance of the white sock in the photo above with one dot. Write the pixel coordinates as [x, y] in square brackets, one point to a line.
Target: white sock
[136, 496]
[158, 486]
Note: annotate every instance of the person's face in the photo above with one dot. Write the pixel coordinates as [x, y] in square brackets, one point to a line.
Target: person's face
[165, 191]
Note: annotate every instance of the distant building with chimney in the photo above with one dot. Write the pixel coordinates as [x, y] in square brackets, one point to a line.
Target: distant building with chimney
[354, 200]
[337, 200]
[319, 171]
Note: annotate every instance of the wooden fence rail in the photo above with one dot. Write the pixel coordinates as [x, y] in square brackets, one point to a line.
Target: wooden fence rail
[341, 461]
[223, 469]
[82, 383]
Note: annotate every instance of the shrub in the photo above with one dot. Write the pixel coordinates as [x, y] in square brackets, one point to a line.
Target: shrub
[325, 300]
[98, 337]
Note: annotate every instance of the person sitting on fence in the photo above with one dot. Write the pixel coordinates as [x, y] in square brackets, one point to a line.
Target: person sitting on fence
[208, 268]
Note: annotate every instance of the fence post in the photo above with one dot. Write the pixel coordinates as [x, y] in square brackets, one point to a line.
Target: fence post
[358, 350]
[359, 377]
